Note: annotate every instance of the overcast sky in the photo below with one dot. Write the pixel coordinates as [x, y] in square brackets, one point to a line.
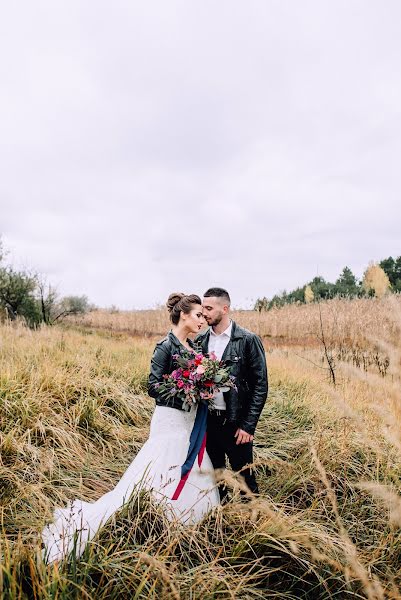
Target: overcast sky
[149, 147]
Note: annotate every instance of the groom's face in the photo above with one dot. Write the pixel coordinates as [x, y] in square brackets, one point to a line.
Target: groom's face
[214, 310]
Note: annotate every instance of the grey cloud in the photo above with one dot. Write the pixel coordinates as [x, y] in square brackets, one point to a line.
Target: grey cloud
[147, 147]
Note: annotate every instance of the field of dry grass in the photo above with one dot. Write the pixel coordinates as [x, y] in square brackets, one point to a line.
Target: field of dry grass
[357, 321]
[354, 331]
[345, 319]
[73, 413]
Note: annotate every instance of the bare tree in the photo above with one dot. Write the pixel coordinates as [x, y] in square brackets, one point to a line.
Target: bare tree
[47, 300]
[327, 351]
[71, 305]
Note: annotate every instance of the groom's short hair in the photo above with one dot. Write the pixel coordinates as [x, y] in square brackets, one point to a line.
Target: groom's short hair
[217, 292]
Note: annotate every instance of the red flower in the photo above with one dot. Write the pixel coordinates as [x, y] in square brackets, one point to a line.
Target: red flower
[186, 373]
[208, 383]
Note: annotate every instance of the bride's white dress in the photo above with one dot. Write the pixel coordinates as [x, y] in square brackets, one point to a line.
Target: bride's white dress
[157, 467]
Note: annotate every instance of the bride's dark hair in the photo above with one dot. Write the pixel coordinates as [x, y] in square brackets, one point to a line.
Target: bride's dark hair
[178, 302]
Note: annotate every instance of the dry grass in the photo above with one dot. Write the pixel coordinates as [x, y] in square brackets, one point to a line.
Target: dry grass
[73, 413]
[356, 321]
[352, 328]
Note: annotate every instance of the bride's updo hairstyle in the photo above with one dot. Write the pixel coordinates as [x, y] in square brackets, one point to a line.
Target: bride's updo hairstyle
[178, 302]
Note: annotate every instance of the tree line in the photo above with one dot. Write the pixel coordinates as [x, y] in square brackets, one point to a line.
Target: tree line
[26, 295]
[378, 279]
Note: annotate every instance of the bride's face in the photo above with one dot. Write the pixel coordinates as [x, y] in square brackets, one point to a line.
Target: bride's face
[194, 320]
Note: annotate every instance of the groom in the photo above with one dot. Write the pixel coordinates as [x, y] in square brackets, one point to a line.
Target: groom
[233, 418]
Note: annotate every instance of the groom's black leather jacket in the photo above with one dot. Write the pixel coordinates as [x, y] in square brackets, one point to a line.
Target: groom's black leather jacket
[162, 363]
[246, 356]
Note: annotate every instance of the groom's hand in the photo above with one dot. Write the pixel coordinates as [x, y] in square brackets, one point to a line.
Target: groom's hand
[243, 437]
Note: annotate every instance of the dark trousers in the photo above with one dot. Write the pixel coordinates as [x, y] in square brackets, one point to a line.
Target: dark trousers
[221, 443]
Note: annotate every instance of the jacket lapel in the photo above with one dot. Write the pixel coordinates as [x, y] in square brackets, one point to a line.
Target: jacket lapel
[205, 342]
[235, 335]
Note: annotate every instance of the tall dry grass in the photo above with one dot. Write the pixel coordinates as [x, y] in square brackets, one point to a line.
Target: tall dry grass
[73, 413]
[356, 321]
[351, 329]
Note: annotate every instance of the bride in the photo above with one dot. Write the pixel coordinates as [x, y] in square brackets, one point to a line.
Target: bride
[172, 463]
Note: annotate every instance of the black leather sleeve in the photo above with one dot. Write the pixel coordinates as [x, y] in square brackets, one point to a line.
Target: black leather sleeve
[159, 366]
[257, 378]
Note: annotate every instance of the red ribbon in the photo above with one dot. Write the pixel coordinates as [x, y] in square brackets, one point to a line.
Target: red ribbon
[183, 479]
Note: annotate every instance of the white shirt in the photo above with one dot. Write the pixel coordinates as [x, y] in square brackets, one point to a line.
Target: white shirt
[217, 344]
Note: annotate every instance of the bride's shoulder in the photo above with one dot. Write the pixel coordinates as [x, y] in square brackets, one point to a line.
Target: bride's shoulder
[201, 336]
[164, 343]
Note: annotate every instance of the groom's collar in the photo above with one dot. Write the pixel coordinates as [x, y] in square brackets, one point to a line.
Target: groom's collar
[225, 332]
[236, 331]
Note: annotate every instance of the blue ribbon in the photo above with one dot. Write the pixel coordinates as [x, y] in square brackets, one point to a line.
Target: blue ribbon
[196, 438]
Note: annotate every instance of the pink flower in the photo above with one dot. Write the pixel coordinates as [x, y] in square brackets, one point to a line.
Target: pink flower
[200, 370]
[177, 373]
[198, 359]
[180, 384]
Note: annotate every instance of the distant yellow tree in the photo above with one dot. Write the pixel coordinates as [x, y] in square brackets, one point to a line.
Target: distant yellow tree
[376, 280]
[308, 294]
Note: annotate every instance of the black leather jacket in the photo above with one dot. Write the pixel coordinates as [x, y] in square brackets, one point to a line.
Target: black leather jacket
[246, 356]
[162, 363]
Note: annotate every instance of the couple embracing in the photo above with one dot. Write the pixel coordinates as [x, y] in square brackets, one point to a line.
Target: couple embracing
[174, 463]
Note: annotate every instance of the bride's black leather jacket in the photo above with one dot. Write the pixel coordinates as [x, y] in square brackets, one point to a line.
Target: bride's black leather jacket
[162, 363]
[246, 356]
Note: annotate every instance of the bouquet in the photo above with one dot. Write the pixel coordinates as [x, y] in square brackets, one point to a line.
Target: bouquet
[196, 378]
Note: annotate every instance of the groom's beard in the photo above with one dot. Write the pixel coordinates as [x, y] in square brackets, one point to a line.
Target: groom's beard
[215, 321]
